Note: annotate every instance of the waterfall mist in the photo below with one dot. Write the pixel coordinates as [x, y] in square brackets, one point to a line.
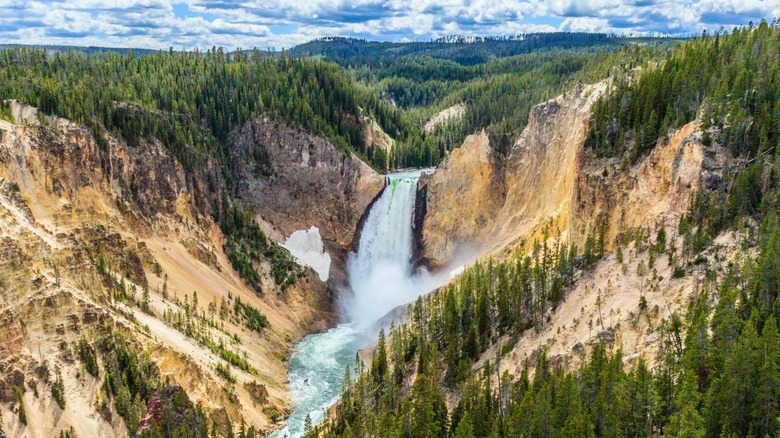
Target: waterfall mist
[380, 272]
[381, 276]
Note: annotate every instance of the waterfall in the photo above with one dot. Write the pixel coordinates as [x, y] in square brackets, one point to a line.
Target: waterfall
[381, 277]
[387, 233]
[380, 273]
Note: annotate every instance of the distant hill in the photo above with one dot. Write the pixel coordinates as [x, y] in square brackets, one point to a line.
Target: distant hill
[464, 50]
[85, 50]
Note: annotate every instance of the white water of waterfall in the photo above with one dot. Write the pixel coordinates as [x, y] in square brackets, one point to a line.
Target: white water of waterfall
[380, 273]
[381, 277]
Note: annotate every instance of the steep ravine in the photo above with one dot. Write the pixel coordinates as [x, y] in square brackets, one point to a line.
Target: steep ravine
[66, 201]
[152, 222]
[381, 278]
[486, 203]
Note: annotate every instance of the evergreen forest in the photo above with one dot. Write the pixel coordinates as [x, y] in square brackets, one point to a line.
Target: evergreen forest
[716, 368]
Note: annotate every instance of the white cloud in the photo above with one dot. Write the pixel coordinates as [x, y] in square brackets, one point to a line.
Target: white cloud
[584, 24]
[284, 23]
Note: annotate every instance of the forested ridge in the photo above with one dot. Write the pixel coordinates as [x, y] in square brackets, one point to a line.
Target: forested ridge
[463, 50]
[731, 81]
[716, 369]
[191, 102]
[497, 95]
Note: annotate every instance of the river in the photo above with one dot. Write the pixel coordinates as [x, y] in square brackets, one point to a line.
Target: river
[382, 278]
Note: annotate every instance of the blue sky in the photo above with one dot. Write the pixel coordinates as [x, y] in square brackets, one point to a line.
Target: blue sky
[188, 24]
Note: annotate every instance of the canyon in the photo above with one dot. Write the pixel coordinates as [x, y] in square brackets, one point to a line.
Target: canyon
[153, 224]
[67, 201]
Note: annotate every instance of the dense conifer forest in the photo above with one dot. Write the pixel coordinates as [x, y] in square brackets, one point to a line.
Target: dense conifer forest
[460, 49]
[497, 95]
[192, 101]
[731, 82]
[717, 365]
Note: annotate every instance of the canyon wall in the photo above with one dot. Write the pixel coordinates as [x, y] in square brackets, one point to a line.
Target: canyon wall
[486, 202]
[483, 201]
[82, 221]
[519, 190]
[295, 180]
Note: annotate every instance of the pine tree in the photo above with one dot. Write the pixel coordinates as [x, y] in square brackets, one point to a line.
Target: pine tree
[730, 397]
[165, 287]
[145, 298]
[429, 413]
[379, 366]
[765, 410]
[686, 422]
[22, 411]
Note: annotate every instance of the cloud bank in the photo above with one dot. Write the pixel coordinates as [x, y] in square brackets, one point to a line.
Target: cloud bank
[190, 24]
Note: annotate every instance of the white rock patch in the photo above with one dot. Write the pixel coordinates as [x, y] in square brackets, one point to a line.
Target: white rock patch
[306, 247]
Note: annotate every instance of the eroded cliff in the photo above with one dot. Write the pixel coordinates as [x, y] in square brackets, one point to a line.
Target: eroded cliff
[498, 198]
[295, 180]
[100, 238]
[549, 186]
[486, 201]
[458, 203]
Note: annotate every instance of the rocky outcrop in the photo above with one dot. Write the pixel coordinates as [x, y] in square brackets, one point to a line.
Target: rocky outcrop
[654, 192]
[549, 185]
[376, 138]
[296, 180]
[145, 182]
[498, 199]
[543, 165]
[459, 201]
[445, 116]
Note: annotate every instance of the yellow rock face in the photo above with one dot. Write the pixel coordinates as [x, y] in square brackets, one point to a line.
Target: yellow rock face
[64, 202]
[481, 202]
[478, 200]
[461, 200]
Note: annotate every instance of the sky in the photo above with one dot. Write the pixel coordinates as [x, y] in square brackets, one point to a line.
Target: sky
[277, 24]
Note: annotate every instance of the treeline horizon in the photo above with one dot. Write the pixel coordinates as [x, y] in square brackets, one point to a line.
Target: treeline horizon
[454, 38]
